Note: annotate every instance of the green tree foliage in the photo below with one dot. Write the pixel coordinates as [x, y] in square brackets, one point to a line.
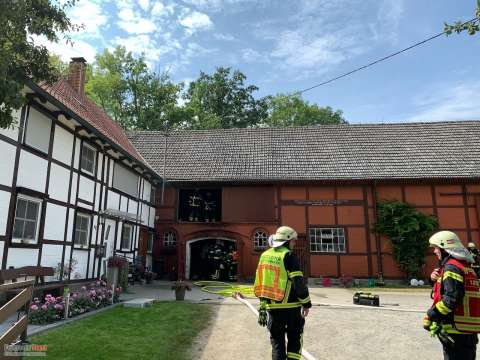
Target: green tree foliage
[408, 231]
[291, 110]
[472, 27]
[20, 58]
[130, 93]
[222, 100]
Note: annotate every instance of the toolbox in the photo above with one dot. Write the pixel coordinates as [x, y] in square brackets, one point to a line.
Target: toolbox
[364, 298]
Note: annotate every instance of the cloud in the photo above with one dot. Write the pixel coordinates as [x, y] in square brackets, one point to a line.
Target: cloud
[131, 21]
[160, 10]
[88, 13]
[195, 21]
[221, 5]
[253, 56]
[67, 51]
[448, 102]
[225, 37]
[144, 4]
[389, 16]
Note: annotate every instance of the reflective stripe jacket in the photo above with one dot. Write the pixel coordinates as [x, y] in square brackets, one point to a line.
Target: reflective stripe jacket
[294, 292]
[456, 298]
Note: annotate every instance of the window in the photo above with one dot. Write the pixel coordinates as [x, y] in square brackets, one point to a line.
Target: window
[200, 205]
[38, 130]
[260, 240]
[82, 230]
[125, 180]
[152, 195]
[150, 243]
[169, 239]
[27, 216]
[87, 162]
[327, 240]
[126, 237]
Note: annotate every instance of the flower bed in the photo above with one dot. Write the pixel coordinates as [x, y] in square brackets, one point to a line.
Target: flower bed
[52, 309]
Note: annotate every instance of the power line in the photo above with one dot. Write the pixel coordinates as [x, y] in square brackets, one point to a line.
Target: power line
[379, 60]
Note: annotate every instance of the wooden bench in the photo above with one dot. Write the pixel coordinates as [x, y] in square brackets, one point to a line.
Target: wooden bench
[38, 272]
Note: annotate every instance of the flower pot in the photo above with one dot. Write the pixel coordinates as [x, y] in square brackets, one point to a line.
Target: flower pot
[112, 275]
[180, 293]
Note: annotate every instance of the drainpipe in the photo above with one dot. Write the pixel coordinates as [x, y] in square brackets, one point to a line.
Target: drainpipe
[164, 167]
[377, 236]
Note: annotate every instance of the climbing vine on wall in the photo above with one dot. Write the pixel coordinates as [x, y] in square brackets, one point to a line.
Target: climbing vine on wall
[408, 230]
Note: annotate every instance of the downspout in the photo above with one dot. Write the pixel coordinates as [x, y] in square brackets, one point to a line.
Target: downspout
[377, 235]
[164, 167]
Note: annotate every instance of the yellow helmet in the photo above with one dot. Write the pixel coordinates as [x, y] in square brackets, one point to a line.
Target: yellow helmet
[282, 235]
[445, 240]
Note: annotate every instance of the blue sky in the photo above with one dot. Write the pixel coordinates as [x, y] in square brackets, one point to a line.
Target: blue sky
[285, 46]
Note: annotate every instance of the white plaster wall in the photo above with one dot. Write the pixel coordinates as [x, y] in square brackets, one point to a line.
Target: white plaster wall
[109, 240]
[147, 188]
[2, 245]
[145, 214]
[123, 203]
[94, 229]
[58, 184]
[93, 266]
[7, 163]
[32, 172]
[70, 225]
[85, 191]
[80, 271]
[100, 163]
[73, 194]
[119, 236]
[62, 145]
[55, 221]
[76, 162]
[97, 197]
[66, 260]
[18, 257]
[132, 207]
[12, 132]
[4, 205]
[112, 200]
[151, 220]
[110, 180]
[51, 255]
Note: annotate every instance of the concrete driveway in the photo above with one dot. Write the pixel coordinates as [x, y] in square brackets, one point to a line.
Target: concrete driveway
[335, 329]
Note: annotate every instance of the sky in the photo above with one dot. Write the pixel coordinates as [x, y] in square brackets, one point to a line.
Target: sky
[283, 46]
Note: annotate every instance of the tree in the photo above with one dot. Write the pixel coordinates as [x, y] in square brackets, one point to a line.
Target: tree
[222, 100]
[20, 58]
[408, 231]
[130, 93]
[472, 27]
[291, 110]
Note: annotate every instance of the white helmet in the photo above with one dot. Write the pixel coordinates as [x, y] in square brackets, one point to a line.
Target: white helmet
[450, 242]
[282, 235]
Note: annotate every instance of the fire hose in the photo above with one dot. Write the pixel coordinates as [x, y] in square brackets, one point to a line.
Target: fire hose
[239, 293]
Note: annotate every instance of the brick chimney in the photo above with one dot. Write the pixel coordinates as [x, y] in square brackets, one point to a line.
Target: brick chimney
[76, 74]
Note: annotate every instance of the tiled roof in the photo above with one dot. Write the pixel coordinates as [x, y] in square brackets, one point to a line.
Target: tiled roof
[93, 114]
[328, 152]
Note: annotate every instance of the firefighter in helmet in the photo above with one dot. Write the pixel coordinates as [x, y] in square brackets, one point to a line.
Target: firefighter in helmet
[283, 295]
[476, 256]
[455, 313]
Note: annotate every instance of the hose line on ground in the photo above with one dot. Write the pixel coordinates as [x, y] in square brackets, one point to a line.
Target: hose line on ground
[225, 289]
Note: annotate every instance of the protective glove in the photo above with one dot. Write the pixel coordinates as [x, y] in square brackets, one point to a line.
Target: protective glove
[262, 315]
[426, 323]
[434, 329]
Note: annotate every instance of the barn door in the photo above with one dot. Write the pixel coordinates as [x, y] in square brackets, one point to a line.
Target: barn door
[303, 254]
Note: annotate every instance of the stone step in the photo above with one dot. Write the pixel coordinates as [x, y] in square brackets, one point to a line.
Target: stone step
[142, 302]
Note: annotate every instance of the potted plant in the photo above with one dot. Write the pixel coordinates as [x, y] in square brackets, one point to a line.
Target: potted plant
[180, 287]
[114, 264]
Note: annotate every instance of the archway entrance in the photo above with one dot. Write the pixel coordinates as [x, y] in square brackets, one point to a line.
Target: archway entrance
[197, 263]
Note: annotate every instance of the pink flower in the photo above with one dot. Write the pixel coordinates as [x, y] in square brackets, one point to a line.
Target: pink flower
[59, 306]
[98, 283]
[44, 307]
[34, 307]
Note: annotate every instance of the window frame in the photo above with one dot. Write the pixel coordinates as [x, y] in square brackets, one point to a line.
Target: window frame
[129, 226]
[336, 240]
[76, 244]
[256, 247]
[168, 243]
[16, 240]
[82, 152]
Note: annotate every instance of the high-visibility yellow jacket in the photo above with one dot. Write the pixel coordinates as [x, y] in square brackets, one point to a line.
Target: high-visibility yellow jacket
[281, 286]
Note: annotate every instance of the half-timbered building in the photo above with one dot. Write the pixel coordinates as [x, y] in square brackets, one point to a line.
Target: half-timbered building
[73, 189]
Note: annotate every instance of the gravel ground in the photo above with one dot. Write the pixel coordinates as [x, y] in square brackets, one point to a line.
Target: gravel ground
[331, 332]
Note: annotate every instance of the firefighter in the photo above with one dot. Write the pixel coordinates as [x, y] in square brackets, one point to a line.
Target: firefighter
[195, 202]
[218, 261]
[280, 286]
[232, 264]
[475, 253]
[455, 313]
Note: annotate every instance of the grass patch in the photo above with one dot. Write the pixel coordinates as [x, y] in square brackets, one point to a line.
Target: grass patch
[163, 331]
